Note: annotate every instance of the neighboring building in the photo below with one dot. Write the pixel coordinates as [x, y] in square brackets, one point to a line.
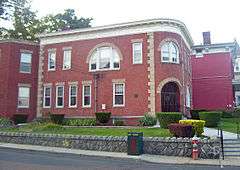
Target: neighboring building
[212, 74]
[18, 83]
[128, 69]
[236, 80]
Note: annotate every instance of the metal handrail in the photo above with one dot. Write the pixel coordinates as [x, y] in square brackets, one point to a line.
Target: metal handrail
[221, 139]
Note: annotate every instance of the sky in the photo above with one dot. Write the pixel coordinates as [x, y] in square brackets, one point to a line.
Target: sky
[220, 17]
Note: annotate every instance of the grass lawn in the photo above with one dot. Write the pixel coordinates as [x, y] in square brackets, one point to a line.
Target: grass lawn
[56, 129]
[230, 124]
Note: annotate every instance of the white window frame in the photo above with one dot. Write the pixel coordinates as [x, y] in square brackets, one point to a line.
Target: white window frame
[237, 64]
[188, 97]
[98, 60]
[49, 55]
[44, 97]
[83, 95]
[64, 59]
[170, 60]
[134, 44]
[21, 62]
[57, 87]
[70, 96]
[28, 102]
[118, 105]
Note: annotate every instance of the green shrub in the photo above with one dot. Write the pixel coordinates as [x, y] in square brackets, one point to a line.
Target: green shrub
[103, 117]
[57, 118]
[118, 122]
[198, 125]
[148, 120]
[227, 114]
[212, 118]
[236, 113]
[166, 118]
[195, 113]
[5, 123]
[79, 122]
[17, 119]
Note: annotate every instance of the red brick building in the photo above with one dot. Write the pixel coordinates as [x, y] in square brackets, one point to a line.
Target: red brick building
[18, 72]
[128, 69]
[212, 74]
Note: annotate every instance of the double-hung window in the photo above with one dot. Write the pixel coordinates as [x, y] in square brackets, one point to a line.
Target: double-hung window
[67, 59]
[118, 94]
[23, 97]
[137, 52]
[47, 97]
[73, 96]
[51, 60]
[25, 62]
[86, 97]
[59, 96]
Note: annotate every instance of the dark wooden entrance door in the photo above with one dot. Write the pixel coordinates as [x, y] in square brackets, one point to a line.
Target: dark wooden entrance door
[170, 98]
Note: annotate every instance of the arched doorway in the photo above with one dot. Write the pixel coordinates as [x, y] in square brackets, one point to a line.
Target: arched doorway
[170, 98]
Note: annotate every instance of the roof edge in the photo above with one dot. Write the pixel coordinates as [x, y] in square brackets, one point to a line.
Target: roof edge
[19, 41]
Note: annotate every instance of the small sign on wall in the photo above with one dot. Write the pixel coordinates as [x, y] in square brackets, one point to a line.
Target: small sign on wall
[103, 106]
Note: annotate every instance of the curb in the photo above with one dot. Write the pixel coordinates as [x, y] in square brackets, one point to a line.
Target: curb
[144, 157]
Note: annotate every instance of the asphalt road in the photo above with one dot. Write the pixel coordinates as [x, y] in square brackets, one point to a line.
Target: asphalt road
[31, 160]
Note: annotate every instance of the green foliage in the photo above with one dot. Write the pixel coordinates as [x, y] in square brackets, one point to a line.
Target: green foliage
[80, 122]
[103, 117]
[166, 118]
[195, 113]
[19, 118]
[148, 120]
[7, 7]
[4, 122]
[197, 124]
[227, 114]
[57, 118]
[236, 113]
[118, 122]
[212, 118]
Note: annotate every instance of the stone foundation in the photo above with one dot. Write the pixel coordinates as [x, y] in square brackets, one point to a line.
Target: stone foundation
[209, 148]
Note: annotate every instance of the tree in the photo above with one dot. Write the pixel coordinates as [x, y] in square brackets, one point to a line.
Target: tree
[64, 21]
[6, 8]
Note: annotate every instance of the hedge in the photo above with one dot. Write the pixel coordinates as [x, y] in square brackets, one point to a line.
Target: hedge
[166, 118]
[148, 120]
[79, 122]
[103, 117]
[57, 118]
[198, 125]
[18, 118]
[181, 130]
[212, 118]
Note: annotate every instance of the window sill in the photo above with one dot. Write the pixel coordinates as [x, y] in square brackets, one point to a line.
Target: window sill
[86, 107]
[59, 107]
[46, 107]
[23, 107]
[72, 107]
[104, 70]
[118, 105]
[25, 72]
[167, 62]
[51, 69]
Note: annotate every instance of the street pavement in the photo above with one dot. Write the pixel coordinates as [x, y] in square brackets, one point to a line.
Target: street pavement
[15, 159]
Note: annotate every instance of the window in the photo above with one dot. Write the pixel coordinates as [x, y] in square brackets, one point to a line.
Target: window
[188, 98]
[237, 65]
[86, 101]
[25, 63]
[199, 53]
[51, 60]
[47, 97]
[23, 97]
[104, 58]
[137, 52]
[73, 96]
[169, 52]
[59, 96]
[67, 59]
[118, 94]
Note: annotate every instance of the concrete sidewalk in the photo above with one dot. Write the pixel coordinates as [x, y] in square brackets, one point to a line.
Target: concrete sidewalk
[144, 157]
[214, 133]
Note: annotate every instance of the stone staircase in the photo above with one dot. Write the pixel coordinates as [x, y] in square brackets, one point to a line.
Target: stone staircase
[231, 147]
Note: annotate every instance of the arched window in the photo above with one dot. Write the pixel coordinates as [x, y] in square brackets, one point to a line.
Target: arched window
[170, 52]
[104, 58]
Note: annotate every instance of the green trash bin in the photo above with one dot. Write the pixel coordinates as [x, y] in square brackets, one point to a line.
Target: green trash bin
[135, 143]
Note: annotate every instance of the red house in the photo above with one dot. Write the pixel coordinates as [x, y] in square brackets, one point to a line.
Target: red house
[18, 84]
[212, 74]
[128, 69]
